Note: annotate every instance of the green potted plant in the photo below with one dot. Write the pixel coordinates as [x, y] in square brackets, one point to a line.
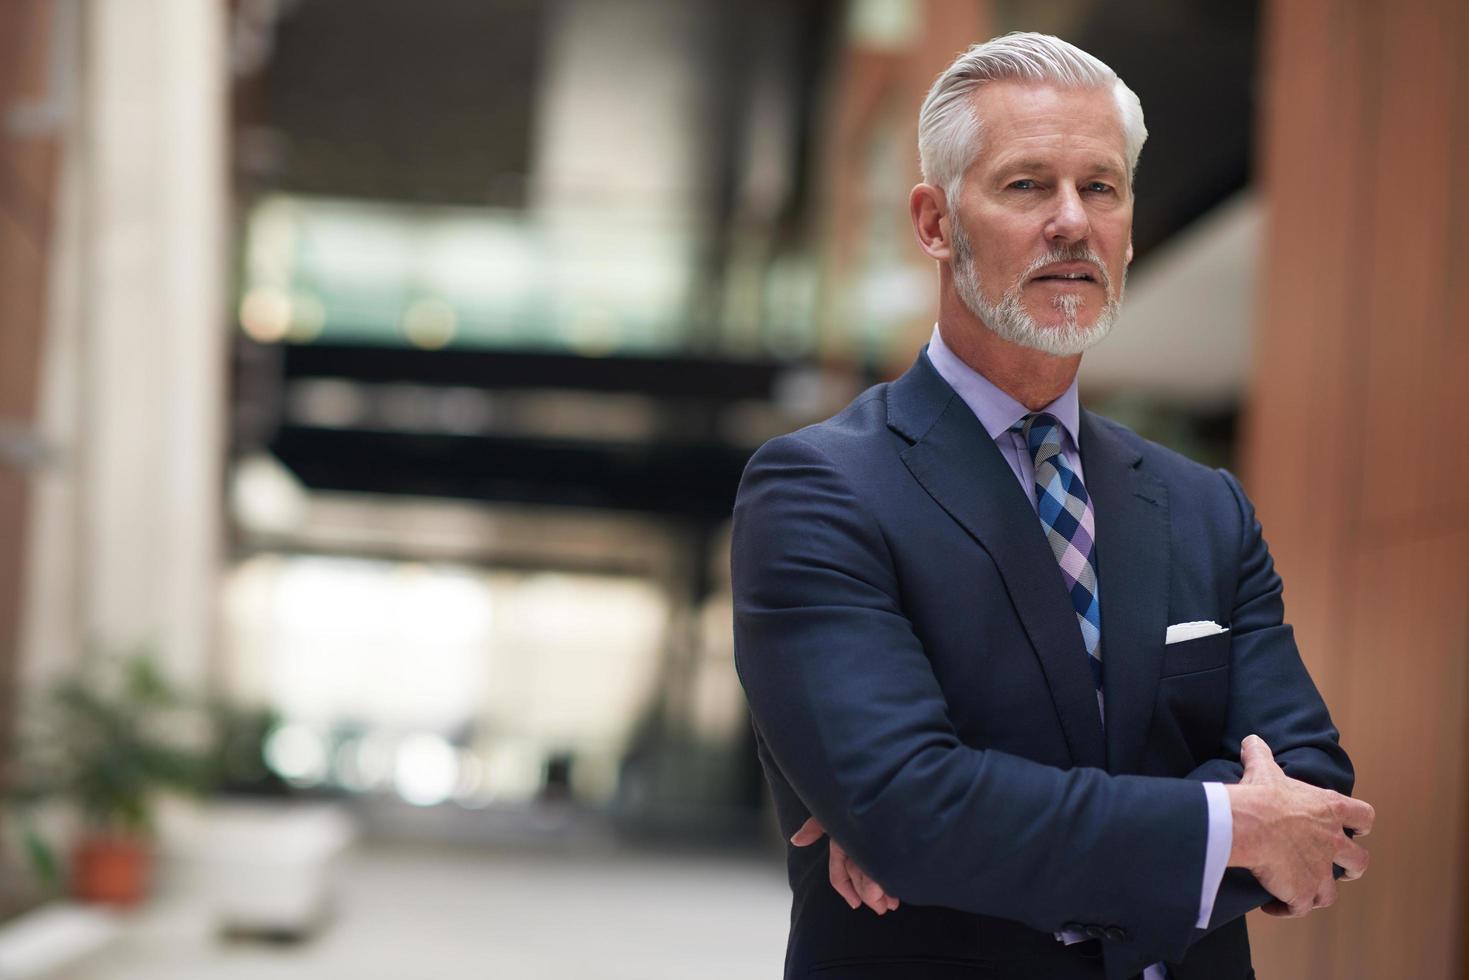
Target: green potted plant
[106, 743]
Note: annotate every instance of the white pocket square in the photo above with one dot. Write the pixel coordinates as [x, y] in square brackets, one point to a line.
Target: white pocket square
[1179, 632]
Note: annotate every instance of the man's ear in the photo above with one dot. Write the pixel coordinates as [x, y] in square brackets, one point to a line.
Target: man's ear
[1129, 251]
[927, 208]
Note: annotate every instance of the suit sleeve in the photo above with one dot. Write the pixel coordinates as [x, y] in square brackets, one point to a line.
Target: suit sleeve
[854, 718]
[1271, 695]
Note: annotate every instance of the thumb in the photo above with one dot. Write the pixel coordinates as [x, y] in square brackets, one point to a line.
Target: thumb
[1259, 761]
[811, 831]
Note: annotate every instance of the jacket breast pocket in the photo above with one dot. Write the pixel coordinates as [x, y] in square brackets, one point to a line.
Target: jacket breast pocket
[1200, 653]
[1193, 693]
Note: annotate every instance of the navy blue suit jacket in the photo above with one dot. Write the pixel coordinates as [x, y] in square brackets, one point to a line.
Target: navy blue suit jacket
[918, 682]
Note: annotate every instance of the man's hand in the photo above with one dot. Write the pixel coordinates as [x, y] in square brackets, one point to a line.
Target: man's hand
[1289, 833]
[850, 881]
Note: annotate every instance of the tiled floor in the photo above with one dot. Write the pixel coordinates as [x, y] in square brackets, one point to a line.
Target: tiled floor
[422, 914]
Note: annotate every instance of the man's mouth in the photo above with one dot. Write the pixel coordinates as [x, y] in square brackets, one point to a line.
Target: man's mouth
[1068, 272]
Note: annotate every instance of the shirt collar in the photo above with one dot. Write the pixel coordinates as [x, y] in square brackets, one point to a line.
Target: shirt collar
[995, 409]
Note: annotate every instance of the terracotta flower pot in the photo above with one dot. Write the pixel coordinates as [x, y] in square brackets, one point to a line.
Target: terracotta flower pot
[110, 870]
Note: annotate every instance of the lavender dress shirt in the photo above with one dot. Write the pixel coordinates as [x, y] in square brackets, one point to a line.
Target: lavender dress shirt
[997, 412]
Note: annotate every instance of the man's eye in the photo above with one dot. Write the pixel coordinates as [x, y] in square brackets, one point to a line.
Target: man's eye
[1097, 187]
[1022, 185]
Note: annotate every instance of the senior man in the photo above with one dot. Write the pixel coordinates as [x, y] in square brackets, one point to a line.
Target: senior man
[1025, 667]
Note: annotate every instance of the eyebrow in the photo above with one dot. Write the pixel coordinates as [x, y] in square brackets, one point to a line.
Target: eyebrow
[1101, 168]
[1108, 170]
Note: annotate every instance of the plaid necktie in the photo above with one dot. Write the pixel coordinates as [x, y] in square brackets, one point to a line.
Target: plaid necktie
[1070, 525]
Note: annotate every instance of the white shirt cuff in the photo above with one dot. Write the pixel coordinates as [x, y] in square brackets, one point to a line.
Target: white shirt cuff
[1216, 851]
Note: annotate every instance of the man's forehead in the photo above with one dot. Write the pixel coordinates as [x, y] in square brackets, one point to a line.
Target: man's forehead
[1012, 111]
[1098, 164]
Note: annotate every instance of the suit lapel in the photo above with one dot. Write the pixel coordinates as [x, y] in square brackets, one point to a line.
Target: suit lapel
[958, 464]
[1133, 575]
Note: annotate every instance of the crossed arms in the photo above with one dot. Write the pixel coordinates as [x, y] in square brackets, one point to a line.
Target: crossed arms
[855, 720]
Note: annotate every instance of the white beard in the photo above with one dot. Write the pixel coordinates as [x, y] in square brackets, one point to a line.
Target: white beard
[1009, 320]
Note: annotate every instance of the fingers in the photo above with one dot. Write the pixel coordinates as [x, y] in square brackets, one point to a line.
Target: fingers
[854, 885]
[811, 831]
[1258, 760]
[839, 873]
[1358, 816]
[872, 894]
[1353, 858]
[1287, 910]
[1295, 910]
[840, 870]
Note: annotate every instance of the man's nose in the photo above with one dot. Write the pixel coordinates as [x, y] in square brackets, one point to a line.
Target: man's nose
[1069, 221]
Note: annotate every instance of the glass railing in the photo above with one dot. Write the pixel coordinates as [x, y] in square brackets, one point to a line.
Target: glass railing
[617, 278]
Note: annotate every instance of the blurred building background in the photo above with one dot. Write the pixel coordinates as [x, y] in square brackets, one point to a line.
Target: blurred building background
[386, 370]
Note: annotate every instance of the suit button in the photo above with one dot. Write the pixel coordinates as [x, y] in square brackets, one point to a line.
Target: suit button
[1095, 932]
[1115, 933]
[1073, 927]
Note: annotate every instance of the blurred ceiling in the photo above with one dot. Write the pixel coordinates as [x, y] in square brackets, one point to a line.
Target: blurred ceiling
[430, 101]
[436, 102]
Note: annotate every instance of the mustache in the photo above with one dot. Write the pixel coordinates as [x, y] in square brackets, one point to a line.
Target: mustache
[1074, 252]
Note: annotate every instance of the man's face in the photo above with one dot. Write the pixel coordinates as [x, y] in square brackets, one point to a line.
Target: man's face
[1042, 233]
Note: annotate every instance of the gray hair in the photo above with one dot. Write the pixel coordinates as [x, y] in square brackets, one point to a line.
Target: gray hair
[949, 128]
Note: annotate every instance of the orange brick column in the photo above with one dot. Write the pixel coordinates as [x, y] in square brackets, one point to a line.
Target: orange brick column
[1357, 448]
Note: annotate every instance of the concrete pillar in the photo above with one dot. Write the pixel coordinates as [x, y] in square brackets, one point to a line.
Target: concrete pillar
[125, 542]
